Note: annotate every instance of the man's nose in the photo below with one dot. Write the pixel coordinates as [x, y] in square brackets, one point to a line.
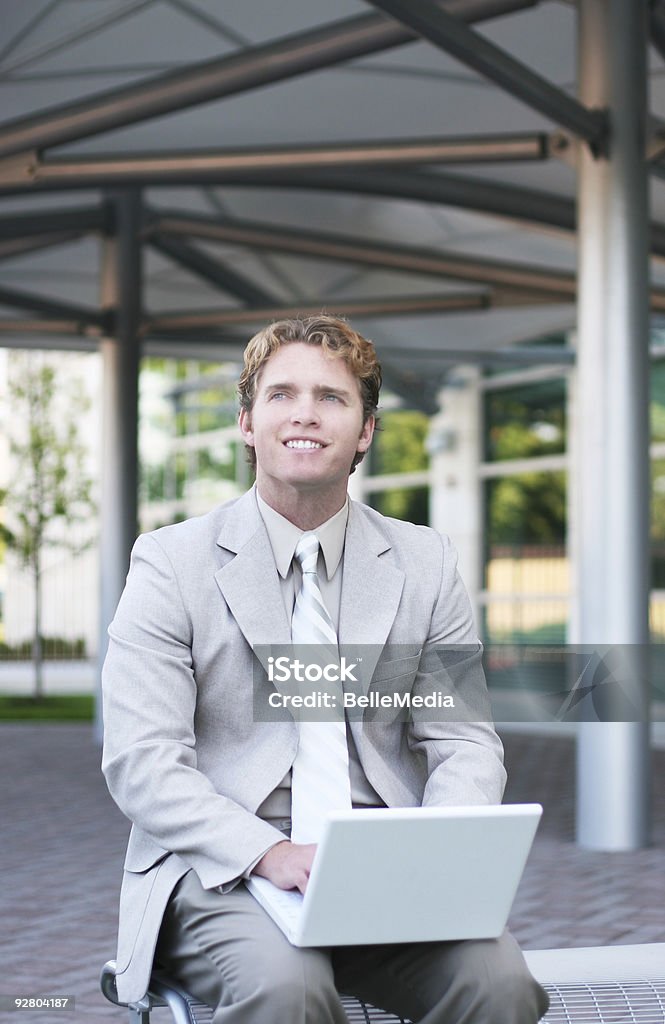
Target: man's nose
[305, 411]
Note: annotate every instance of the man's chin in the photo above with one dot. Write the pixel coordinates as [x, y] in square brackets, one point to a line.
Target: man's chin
[311, 482]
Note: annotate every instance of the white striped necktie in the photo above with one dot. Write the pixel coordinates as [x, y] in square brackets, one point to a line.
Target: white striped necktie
[320, 777]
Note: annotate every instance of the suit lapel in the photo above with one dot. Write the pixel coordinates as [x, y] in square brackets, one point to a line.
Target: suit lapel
[371, 586]
[251, 573]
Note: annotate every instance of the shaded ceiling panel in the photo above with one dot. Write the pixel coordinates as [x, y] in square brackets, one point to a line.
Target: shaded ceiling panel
[409, 91]
[157, 35]
[330, 106]
[542, 37]
[69, 273]
[19, 21]
[279, 19]
[64, 19]
[473, 330]
[553, 175]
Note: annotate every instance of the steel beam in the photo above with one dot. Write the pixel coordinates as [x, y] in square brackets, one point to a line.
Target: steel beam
[199, 263]
[610, 443]
[56, 327]
[52, 308]
[207, 319]
[81, 219]
[406, 259]
[530, 206]
[108, 172]
[200, 83]
[345, 248]
[447, 32]
[478, 194]
[383, 306]
[215, 165]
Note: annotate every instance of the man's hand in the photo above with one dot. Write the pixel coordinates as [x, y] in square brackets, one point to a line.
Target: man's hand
[287, 865]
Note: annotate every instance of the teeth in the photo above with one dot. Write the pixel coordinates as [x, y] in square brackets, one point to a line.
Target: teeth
[303, 444]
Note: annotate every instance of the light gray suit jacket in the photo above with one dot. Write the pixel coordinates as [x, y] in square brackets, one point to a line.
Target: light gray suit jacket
[183, 756]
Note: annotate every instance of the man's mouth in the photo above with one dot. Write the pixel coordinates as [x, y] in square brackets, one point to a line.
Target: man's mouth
[304, 445]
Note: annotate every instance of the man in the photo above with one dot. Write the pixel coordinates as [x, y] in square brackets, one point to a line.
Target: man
[209, 788]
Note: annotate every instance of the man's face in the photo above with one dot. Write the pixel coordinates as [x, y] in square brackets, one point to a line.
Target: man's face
[306, 423]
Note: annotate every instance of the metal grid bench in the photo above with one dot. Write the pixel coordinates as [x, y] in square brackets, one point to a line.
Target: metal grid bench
[602, 984]
[590, 985]
[185, 1009]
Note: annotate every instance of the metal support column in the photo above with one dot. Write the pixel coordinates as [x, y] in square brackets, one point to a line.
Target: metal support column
[121, 295]
[455, 444]
[612, 414]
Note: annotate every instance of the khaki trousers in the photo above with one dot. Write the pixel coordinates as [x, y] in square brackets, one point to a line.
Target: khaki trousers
[227, 952]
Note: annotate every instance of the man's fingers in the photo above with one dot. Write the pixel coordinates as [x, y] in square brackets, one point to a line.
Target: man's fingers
[287, 865]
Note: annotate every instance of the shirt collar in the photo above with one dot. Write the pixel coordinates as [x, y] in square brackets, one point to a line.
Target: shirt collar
[284, 537]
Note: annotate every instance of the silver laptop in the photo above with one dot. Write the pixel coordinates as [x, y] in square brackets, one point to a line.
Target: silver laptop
[417, 874]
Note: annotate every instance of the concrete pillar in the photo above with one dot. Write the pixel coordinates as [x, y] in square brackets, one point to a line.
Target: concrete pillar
[455, 446]
[611, 488]
[121, 294]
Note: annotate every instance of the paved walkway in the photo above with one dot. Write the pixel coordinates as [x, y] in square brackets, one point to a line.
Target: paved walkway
[62, 843]
[18, 677]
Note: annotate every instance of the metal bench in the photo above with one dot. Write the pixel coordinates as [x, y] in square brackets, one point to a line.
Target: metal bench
[602, 984]
[185, 1009]
[589, 985]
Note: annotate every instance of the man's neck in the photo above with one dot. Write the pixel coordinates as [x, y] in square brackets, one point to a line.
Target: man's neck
[304, 510]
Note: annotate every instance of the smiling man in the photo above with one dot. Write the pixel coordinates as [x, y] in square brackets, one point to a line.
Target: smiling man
[303, 416]
[214, 795]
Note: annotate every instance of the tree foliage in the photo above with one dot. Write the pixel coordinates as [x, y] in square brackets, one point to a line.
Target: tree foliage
[528, 508]
[49, 499]
[399, 447]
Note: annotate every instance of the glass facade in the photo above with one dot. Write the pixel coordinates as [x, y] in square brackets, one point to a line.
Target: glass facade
[190, 449]
[525, 421]
[399, 447]
[526, 582]
[525, 597]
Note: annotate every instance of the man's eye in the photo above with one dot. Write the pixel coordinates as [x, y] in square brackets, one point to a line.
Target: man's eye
[331, 398]
[277, 394]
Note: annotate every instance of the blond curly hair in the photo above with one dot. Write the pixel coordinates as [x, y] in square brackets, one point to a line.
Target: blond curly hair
[336, 337]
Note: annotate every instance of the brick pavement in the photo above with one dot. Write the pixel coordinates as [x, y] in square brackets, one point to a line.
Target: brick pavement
[63, 840]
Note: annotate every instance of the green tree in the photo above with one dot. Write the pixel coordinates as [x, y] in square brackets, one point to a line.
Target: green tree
[399, 447]
[527, 509]
[49, 499]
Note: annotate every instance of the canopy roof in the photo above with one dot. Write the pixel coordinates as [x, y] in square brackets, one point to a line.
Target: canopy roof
[299, 156]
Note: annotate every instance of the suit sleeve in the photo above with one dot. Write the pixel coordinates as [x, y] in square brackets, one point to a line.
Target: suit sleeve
[463, 753]
[149, 760]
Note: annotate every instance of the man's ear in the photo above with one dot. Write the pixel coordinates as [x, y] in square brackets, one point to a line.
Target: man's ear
[245, 424]
[366, 434]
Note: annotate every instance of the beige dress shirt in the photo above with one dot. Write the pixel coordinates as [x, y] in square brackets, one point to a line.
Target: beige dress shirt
[284, 537]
